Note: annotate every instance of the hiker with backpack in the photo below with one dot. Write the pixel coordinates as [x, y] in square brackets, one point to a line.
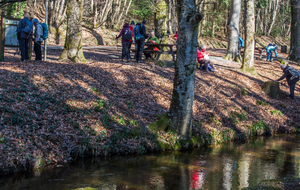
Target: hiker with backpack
[24, 32]
[270, 48]
[292, 77]
[38, 39]
[140, 36]
[126, 38]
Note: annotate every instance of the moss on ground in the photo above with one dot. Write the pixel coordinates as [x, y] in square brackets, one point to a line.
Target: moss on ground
[277, 184]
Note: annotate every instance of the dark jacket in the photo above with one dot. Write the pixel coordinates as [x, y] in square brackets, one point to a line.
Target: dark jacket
[143, 31]
[122, 33]
[24, 29]
[288, 75]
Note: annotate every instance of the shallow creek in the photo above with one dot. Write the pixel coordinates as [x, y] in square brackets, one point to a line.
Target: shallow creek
[226, 166]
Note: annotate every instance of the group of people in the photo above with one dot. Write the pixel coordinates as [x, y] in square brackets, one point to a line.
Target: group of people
[136, 32]
[25, 33]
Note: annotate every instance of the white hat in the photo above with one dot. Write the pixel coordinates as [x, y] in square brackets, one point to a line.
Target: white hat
[282, 66]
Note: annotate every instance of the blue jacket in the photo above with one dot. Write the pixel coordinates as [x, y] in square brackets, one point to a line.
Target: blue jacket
[24, 29]
[271, 48]
[241, 42]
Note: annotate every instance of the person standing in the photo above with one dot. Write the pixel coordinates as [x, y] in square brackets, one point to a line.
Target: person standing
[126, 38]
[292, 77]
[140, 36]
[38, 39]
[132, 25]
[270, 48]
[24, 32]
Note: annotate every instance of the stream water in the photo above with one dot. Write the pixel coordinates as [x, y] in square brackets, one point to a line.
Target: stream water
[226, 166]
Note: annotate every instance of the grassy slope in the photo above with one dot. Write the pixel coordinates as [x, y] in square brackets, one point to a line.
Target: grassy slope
[57, 111]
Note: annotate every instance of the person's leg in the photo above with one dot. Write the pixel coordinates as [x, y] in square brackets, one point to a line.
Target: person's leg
[268, 53]
[142, 46]
[137, 52]
[129, 47]
[271, 55]
[26, 49]
[147, 55]
[22, 49]
[292, 87]
[38, 51]
[127, 51]
[123, 50]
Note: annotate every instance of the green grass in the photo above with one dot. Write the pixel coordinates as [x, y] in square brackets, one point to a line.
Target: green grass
[276, 112]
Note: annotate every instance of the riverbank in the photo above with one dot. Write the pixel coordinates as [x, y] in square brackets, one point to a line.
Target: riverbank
[54, 112]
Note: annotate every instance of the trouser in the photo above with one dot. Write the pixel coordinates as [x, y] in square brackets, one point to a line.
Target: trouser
[129, 47]
[147, 54]
[23, 45]
[270, 54]
[38, 51]
[140, 44]
[125, 52]
[206, 63]
[292, 87]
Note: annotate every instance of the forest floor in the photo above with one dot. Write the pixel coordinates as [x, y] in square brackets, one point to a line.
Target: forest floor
[52, 112]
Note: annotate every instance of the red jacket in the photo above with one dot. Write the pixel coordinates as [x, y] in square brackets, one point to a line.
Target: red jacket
[131, 33]
[201, 54]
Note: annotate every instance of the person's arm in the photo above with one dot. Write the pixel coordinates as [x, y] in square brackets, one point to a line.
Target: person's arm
[121, 33]
[275, 53]
[283, 76]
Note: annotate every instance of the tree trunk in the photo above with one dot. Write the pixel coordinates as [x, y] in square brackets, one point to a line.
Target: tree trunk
[273, 16]
[248, 61]
[272, 89]
[179, 117]
[160, 21]
[233, 30]
[73, 44]
[295, 30]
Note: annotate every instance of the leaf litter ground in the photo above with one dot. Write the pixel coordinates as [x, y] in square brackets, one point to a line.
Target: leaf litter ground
[52, 112]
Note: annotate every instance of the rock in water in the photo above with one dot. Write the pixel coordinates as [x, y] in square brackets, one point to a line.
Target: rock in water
[272, 89]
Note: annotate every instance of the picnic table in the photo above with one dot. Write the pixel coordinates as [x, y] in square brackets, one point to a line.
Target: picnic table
[161, 50]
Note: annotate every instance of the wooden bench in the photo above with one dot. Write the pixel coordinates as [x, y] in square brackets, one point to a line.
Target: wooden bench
[160, 51]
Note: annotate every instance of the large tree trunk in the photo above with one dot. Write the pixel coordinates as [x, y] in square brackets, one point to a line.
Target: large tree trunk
[73, 44]
[248, 61]
[295, 31]
[233, 30]
[160, 21]
[179, 117]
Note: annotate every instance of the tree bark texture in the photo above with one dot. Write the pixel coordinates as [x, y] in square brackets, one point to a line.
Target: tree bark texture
[295, 31]
[160, 21]
[248, 61]
[180, 112]
[73, 44]
[233, 30]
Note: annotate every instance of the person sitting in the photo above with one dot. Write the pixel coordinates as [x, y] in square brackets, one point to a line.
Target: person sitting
[203, 59]
[292, 77]
[270, 48]
[152, 40]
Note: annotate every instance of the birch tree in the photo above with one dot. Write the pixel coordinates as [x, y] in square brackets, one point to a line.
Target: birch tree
[233, 30]
[248, 61]
[179, 116]
[73, 43]
[295, 31]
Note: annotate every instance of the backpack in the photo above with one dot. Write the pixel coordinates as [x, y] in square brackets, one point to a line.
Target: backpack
[294, 73]
[137, 32]
[127, 36]
[27, 29]
[45, 31]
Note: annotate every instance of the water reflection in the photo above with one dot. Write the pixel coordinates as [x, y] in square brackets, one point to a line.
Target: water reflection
[230, 166]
